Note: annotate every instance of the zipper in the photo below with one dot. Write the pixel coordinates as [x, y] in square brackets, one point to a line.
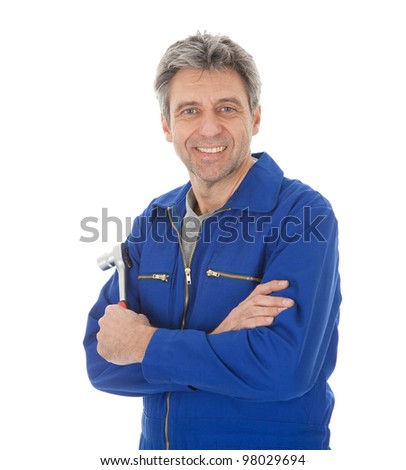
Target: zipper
[159, 277]
[212, 273]
[188, 282]
[166, 430]
[187, 270]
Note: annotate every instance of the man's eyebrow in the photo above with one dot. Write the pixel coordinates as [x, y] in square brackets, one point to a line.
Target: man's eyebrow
[185, 104]
[230, 99]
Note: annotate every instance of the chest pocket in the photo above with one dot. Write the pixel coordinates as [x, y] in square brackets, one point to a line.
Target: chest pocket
[155, 283]
[221, 292]
[155, 290]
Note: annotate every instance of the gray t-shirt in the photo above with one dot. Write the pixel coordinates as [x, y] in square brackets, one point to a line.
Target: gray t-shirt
[191, 226]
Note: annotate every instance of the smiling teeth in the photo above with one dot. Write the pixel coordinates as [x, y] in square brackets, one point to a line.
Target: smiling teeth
[211, 150]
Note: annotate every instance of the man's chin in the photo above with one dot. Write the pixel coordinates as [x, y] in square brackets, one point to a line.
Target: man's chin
[210, 176]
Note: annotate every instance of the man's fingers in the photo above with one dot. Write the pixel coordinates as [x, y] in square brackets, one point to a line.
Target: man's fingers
[263, 312]
[271, 286]
[258, 309]
[114, 309]
[273, 301]
[256, 322]
[259, 300]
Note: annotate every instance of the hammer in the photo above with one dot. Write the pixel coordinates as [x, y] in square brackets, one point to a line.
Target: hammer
[119, 258]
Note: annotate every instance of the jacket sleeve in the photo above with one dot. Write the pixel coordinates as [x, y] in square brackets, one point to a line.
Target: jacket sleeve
[279, 362]
[121, 380]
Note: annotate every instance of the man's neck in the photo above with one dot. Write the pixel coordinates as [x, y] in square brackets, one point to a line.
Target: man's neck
[212, 196]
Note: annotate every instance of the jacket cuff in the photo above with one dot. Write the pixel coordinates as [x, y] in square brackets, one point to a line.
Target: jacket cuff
[171, 357]
[158, 357]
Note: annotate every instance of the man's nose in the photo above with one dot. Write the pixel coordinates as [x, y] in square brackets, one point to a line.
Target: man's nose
[210, 125]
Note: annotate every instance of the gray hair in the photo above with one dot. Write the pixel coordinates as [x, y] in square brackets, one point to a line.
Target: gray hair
[206, 52]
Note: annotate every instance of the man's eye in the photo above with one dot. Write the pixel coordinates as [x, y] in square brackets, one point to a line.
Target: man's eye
[189, 111]
[227, 109]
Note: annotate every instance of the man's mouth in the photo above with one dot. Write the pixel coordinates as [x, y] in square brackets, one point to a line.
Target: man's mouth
[211, 149]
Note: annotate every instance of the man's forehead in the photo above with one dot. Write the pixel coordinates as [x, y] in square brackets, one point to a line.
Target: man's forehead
[193, 85]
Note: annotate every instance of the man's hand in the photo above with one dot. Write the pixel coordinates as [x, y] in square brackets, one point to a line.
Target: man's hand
[258, 309]
[123, 336]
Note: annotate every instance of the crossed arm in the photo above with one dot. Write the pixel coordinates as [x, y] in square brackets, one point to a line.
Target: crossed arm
[124, 335]
[126, 355]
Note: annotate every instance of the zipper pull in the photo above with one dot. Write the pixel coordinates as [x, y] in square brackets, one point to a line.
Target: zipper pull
[212, 273]
[188, 276]
[161, 277]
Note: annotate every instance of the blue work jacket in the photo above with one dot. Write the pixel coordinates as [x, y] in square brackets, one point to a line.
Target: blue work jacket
[261, 388]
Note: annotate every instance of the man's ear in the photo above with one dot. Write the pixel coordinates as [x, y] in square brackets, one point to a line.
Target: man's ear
[256, 121]
[166, 129]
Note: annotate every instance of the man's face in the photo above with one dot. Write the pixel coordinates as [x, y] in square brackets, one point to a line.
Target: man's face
[211, 124]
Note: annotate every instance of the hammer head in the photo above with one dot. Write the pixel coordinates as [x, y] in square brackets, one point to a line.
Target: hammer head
[119, 257]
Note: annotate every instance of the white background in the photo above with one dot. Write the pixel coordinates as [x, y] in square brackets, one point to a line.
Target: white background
[80, 131]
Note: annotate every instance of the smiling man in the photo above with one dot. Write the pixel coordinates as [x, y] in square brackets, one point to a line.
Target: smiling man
[231, 331]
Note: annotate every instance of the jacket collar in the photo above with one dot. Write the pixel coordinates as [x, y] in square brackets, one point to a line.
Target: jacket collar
[258, 191]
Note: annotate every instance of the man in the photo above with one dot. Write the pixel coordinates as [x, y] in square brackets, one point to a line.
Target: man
[234, 290]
